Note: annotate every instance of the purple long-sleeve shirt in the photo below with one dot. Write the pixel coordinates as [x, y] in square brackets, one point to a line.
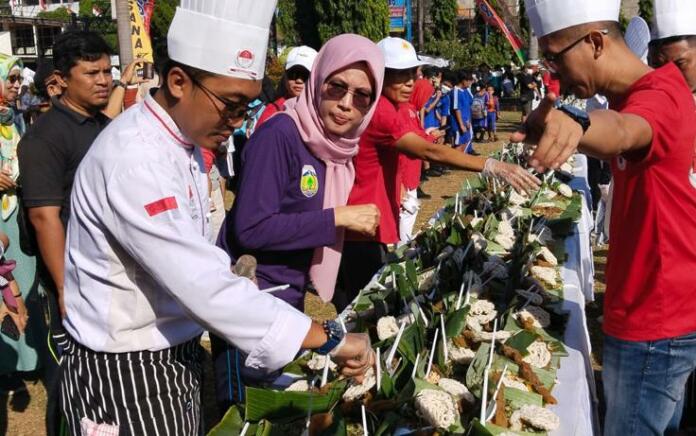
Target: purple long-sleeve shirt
[278, 215]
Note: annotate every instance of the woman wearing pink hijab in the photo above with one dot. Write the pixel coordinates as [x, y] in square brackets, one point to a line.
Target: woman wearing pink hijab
[297, 172]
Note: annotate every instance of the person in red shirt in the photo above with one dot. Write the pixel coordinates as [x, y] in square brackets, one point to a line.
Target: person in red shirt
[650, 306]
[378, 175]
[297, 68]
[411, 166]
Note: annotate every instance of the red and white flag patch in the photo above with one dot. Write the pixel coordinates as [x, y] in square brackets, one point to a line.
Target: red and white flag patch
[162, 205]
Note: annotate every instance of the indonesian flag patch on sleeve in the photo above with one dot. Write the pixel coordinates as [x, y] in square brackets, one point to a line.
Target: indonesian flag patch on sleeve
[162, 205]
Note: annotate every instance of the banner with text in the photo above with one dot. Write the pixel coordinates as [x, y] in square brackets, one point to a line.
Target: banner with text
[140, 39]
[397, 15]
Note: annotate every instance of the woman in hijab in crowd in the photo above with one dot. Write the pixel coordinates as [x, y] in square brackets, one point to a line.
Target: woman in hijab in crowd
[297, 172]
[18, 352]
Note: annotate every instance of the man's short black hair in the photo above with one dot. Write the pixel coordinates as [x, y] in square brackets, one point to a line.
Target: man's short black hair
[431, 71]
[659, 43]
[78, 45]
[43, 71]
[449, 76]
[464, 75]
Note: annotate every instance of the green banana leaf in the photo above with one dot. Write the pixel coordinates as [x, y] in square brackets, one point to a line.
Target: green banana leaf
[516, 398]
[456, 322]
[231, 423]
[287, 406]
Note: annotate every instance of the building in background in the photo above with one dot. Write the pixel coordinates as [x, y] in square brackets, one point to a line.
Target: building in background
[25, 33]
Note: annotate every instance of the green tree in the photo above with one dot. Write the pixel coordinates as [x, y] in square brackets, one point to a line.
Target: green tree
[161, 19]
[646, 9]
[369, 18]
[286, 22]
[60, 14]
[444, 18]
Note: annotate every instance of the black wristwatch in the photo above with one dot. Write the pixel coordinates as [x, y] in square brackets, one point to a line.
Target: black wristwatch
[579, 116]
[335, 334]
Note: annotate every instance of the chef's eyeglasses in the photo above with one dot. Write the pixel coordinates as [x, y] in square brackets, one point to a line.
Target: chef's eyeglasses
[231, 110]
[551, 60]
[337, 90]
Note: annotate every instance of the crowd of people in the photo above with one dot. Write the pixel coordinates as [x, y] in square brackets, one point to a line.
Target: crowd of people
[115, 243]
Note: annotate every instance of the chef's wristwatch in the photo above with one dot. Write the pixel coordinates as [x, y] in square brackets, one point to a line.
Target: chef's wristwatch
[335, 334]
[579, 116]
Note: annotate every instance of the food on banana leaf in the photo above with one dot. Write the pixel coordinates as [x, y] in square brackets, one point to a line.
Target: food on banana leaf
[538, 316]
[457, 390]
[546, 255]
[545, 274]
[358, 390]
[460, 355]
[534, 418]
[298, 386]
[539, 355]
[437, 408]
[387, 328]
[317, 363]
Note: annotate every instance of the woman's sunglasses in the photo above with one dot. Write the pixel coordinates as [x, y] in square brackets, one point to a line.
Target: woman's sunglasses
[336, 91]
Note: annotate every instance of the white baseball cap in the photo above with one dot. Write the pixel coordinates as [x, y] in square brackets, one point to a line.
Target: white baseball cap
[399, 54]
[674, 18]
[226, 37]
[549, 16]
[303, 56]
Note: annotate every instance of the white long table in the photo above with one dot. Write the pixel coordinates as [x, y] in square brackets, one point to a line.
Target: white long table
[575, 391]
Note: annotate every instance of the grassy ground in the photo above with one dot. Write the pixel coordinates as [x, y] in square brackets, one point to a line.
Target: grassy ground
[23, 414]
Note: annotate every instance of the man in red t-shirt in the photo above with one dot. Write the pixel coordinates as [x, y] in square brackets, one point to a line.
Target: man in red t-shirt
[378, 176]
[650, 302]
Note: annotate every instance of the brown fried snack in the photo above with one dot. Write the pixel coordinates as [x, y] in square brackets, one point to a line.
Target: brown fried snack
[527, 373]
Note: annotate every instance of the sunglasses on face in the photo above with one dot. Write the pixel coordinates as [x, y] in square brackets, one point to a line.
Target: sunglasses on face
[231, 110]
[297, 73]
[337, 90]
[15, 78]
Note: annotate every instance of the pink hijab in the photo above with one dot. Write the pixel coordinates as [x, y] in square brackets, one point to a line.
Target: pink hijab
[336, 152]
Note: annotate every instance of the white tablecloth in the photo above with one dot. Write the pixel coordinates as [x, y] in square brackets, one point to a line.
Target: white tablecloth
[575, 391]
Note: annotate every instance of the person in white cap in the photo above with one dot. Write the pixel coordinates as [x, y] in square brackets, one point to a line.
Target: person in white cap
[649, 324]
[142, 277]
[378, 178]
[674, 37]
[298, 67]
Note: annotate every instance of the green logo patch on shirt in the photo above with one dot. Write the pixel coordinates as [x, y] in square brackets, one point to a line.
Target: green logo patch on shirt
[309, 182]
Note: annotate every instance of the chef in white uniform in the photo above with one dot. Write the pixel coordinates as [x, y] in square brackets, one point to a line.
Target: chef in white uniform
[142, 277]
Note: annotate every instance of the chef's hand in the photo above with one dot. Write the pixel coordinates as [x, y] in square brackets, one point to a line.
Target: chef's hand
[514, 175]
[362, 219]
[354, 355]
[555, 135]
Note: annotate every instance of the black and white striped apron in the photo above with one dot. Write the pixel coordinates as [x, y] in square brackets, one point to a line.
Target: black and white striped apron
[144, 393]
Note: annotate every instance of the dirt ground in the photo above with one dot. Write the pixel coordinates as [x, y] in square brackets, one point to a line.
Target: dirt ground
[22, 414]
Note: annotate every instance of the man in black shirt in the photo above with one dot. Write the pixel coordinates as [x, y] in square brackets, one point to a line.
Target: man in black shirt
[49, 155]
[528, 89]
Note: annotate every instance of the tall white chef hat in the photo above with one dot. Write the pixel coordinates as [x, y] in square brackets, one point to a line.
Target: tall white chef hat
[226, 37]
[674, 18]
[548, 16]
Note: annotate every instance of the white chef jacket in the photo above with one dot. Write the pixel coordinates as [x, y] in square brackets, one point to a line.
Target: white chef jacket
[140, 272]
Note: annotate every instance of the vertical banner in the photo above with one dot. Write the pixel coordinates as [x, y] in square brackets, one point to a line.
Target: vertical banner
[140, 40]
[397, 14]
[491, 17]
[146, 7]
